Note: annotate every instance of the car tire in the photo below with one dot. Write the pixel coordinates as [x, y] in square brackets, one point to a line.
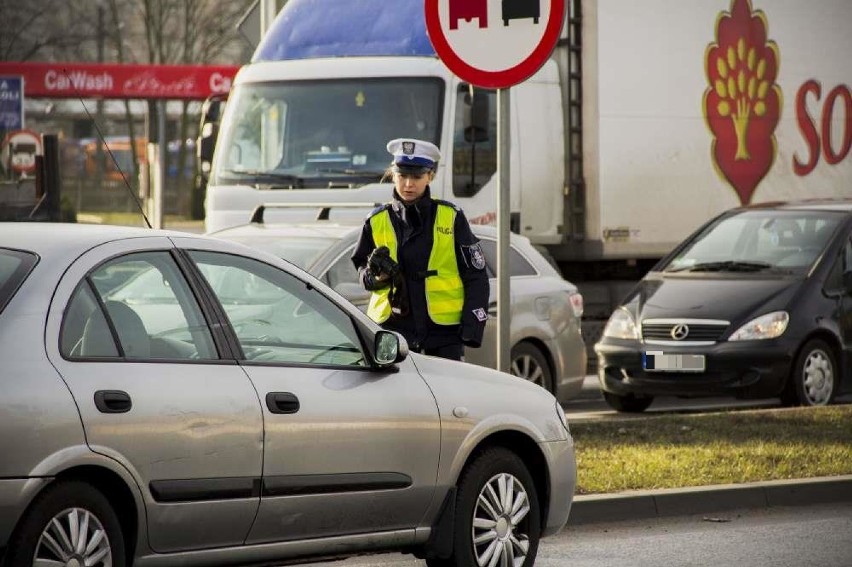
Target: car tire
[629, 403]
[529, 363]
[497, 512]
[45, 532]
[815, 376]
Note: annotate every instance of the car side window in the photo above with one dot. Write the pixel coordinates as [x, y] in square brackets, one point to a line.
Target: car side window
[518, 265]
[277, 317]
[843, 264]
[151, 313]
[342, 271]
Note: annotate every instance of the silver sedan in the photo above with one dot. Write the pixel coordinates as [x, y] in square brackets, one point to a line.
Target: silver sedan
[171, 399]
[547, 347]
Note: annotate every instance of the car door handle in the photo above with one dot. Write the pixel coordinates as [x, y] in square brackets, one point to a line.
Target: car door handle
[113, 401]
[282, 402]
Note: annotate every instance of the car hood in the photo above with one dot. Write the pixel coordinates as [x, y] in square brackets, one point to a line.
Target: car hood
[729, 299]
[486, 399]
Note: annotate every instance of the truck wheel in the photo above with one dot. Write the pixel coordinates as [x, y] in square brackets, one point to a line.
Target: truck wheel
[815, 376]
[497, 517]
[70, 523]
[529, 363]
[629, 403]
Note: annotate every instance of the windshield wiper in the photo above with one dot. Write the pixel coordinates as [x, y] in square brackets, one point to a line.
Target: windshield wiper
[726, 266]
[268, 179]
[351, 171]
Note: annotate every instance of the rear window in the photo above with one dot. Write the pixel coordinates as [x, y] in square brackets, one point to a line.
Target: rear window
[14, 267]
[518, 264]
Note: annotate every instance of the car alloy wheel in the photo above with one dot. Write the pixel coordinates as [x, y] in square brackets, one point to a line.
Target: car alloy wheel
[497, 532]
[74, 538]
[497, 514]
[70, 524]
[530, 364]
[816, 374]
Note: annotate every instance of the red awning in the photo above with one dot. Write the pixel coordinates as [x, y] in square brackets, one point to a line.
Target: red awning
[93, 80]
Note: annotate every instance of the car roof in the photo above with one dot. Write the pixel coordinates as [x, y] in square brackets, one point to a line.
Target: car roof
[317, 229]
[48, 239]
[324, 229]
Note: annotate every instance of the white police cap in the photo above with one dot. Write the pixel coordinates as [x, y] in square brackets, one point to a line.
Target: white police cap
[413, 156]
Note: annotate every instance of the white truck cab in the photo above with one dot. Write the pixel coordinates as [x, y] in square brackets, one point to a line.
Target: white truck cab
[309, 122]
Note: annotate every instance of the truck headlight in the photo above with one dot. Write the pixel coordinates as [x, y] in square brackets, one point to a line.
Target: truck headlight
[621, 325]
[767, 326]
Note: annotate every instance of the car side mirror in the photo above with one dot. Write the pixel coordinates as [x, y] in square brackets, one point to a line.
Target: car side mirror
[353, 292]
[211, 112]
[389, 347]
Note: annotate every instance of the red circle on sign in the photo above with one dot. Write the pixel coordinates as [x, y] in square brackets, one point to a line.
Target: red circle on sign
[495, 79]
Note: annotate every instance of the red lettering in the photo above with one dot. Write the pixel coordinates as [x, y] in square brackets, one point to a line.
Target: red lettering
[828, 117]
[807, 127]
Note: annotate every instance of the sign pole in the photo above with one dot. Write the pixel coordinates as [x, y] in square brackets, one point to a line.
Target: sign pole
[504, 311]
[496, 50]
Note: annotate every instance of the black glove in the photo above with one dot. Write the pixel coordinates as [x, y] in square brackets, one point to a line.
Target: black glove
[380, 263]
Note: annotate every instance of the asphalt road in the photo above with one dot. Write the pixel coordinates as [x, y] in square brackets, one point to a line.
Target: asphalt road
[818, 535]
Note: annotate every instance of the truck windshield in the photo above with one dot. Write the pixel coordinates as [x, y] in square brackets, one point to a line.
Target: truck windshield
[321, 134]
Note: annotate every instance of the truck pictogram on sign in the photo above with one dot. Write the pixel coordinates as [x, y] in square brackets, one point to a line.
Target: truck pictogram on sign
[519, 9]
[468, 10]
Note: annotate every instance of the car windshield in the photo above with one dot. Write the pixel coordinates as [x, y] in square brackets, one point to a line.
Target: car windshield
[322, 134]
[758, 241]
[300, 251]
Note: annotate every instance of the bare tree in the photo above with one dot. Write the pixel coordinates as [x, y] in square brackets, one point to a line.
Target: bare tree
[41, 29]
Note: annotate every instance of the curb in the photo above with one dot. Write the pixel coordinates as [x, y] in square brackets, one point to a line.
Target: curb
[645, 504]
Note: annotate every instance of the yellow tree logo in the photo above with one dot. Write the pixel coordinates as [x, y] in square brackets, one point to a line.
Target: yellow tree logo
[742, 103]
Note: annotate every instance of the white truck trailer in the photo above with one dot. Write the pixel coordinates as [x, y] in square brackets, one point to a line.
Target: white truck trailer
[649, 118]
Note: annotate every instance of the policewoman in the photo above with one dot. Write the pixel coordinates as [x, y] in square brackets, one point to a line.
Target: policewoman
[423, 265]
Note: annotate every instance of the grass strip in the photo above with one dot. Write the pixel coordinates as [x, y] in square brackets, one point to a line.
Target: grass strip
[682, 450]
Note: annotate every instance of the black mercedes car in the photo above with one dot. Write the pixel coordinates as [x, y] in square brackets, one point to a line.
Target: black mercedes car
[757, 303]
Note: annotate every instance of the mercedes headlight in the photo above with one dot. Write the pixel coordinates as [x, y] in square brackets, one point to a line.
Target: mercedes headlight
[621, 325]
[769, 326]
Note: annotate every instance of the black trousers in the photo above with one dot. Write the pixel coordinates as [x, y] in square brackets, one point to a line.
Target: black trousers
[451, 351]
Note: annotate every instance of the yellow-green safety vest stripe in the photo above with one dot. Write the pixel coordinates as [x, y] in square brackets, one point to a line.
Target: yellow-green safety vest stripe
[445, 290]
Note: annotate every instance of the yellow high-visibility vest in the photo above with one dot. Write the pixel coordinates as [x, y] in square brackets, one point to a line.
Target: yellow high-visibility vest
[444, 290]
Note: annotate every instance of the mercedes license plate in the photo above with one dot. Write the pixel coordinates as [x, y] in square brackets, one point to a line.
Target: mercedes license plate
[658, 361]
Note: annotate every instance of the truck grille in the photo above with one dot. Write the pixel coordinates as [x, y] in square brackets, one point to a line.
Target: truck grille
[686, 330]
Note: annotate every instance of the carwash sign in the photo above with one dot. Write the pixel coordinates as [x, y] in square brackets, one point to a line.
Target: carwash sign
[494, 43]
[72, 80]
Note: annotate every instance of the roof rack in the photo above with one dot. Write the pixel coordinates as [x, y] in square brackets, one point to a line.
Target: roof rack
[322, 214]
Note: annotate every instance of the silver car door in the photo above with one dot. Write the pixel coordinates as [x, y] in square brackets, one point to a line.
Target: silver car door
[348, 449]
[128, 336]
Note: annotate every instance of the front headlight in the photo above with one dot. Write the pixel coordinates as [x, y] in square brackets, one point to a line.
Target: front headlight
[621, 325]
[767, 326]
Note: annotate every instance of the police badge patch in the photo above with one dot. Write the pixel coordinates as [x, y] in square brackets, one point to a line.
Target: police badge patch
[480, 314]
[408, 148]
[474, 256]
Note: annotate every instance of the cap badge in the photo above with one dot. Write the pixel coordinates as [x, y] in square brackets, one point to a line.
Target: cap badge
[408, 148]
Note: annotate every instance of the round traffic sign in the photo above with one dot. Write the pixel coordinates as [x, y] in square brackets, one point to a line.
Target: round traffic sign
[494, 43]
[20, 149]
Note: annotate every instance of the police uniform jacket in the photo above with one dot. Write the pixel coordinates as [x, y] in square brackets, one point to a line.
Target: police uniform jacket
[413, 227]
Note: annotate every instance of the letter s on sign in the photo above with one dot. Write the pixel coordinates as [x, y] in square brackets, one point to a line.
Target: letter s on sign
[219, 84]
[807, 127]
